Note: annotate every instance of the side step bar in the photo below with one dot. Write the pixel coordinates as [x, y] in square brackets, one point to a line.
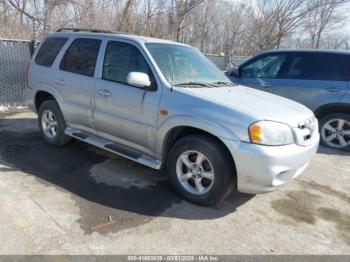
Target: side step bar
[114, 148]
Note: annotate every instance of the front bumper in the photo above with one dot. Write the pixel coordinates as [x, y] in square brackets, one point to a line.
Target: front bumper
[262, 169]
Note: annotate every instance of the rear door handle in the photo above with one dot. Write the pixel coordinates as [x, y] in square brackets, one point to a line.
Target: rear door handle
[59, 82]
[333, 89]
[104, 92]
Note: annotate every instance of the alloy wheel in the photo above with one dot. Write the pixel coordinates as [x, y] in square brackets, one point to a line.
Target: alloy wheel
[195, 172]
[336, 133]
[49, 123]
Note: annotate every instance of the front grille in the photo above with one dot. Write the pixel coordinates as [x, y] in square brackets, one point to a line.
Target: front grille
[306, 131]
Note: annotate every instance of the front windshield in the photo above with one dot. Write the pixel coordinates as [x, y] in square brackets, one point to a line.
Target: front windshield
[185, 65]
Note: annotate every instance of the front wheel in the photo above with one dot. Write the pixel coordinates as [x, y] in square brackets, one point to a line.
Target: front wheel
[335, 131]
[201, 170]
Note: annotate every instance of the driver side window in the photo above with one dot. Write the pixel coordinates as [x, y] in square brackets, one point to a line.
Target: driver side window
[265, 67]
[121, 59]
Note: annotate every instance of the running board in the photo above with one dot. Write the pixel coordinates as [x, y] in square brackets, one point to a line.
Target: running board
[114, 148]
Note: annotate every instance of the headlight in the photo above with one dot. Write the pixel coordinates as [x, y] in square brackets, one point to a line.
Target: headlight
[271, 133]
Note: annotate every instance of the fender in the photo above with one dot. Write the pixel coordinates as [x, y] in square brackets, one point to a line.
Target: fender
[54, 92]
[189, 121]
[49, 89]
[332, 107]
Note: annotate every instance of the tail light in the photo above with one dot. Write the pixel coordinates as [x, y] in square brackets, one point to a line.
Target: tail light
[26, 75]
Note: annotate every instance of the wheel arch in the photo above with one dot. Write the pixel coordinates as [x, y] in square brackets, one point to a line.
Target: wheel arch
[175, 125]
[331, 109]
[175, 133]
[180, 132]
[43, 95]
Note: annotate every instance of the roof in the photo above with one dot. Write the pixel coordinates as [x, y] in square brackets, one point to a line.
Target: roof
[325, 51]
[93, 33]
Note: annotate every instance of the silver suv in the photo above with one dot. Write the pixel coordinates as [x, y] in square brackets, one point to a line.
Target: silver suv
[164, 104]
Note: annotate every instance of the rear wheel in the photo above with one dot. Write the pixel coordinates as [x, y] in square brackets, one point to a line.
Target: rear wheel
[201, 170]
[335, 131]
[52, 124]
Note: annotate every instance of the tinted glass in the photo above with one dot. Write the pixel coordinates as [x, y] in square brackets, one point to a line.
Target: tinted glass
[81, 56]
[121, 59]
[346, 59]
[315, 67]
[49, 50]
[267, 66]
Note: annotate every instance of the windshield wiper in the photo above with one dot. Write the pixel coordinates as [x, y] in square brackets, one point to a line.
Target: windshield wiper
[223, 83]
[193, 84]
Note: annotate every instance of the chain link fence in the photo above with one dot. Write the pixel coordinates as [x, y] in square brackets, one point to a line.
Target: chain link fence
[14, 58]
[224, 63]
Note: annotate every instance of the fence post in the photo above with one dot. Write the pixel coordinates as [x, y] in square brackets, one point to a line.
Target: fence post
[31, 47]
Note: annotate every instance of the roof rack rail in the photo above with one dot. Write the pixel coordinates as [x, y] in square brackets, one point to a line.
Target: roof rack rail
[76, 29]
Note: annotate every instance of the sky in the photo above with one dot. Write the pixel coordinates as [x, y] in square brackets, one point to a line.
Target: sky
[345, 10]
[347, 13]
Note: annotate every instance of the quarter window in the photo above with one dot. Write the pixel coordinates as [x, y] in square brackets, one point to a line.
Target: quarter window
[267, 66]
[49, 50]
[81, 56]
[315, 67]
[121, 59]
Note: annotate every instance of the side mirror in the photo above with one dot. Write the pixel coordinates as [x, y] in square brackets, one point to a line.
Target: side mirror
[138, 79]
[235, 72]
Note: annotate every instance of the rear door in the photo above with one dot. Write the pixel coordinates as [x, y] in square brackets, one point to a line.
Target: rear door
[42, 71]
[346, 98]
[313, 79]
[262, 72]
[76, 82]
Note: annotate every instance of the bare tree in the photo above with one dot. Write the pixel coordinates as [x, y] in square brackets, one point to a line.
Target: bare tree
[205, 23]
[235, 26]
[219, 27]
[182, 8]
[20, 8]
[276, 20]
[322, 17]
[124, 25]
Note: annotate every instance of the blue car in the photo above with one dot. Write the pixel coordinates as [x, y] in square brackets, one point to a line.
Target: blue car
[318, 79]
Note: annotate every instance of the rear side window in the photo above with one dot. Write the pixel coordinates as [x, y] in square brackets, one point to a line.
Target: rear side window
[81, 56]
[121, 59]
[315, 67]
[49, 50]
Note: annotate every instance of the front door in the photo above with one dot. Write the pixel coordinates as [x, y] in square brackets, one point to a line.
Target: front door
[262, 72]
[123, 113]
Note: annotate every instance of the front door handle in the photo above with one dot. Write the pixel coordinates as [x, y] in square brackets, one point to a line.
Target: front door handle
[104, 92]
[333, 89]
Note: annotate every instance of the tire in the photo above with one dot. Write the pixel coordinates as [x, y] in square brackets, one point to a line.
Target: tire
[217, 162]
[57, 137]
[335, 125]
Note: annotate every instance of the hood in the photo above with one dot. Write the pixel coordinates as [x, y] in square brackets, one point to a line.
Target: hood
[255, 103]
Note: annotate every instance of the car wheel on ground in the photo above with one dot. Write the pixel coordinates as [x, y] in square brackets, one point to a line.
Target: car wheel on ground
[52, 124]
[335, 131]
[200, 170]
